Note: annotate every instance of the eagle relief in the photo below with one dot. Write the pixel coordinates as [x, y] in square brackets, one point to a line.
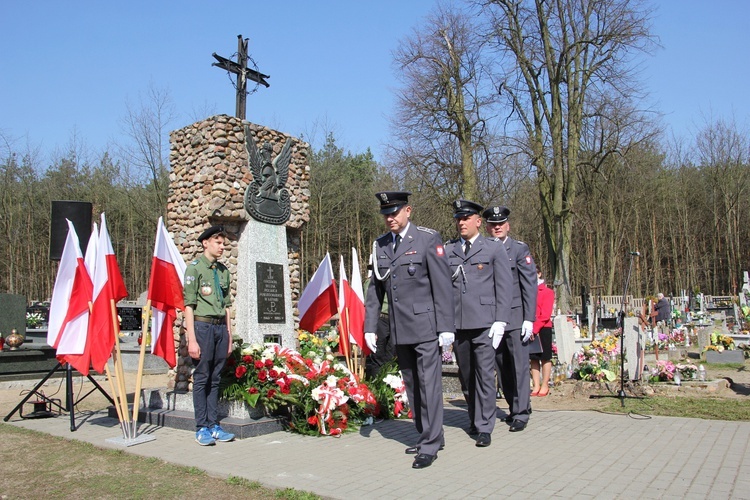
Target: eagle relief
[267, 198]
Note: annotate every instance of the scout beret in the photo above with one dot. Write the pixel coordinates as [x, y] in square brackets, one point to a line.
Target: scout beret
[392, 201]
[210, 232]
[464, 208]
[496, 214]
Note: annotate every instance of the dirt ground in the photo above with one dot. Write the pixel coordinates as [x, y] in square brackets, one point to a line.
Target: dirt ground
[728, 382]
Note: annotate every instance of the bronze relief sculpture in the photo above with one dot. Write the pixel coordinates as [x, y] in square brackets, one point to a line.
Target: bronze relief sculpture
[267, 198]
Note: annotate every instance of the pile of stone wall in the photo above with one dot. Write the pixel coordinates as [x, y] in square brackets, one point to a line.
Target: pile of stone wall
[208, 179]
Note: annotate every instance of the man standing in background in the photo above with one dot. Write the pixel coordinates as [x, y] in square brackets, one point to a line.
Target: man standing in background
[482, 292]
[512, 355]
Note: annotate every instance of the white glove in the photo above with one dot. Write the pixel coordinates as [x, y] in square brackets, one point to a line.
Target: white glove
[527, 330]
[446, 338]
[497, 330]
[371, 340]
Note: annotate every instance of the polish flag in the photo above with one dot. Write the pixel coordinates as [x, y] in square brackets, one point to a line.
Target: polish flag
[318, 301]
[356, 303]
[165, 293]
[345, 339]
[109, 288]
[90, 257]
[69, 308]
[352, 307]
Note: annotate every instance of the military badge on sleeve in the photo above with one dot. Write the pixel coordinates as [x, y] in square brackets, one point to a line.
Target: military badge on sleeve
[528, 259]
[440, 250]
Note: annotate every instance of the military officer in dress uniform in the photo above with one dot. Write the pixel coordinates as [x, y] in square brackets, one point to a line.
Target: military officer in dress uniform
[512, 355]
[411, 269]
[208, 330]
[482, 293]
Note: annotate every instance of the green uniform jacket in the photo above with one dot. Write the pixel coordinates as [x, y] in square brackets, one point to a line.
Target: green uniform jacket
[207, 288]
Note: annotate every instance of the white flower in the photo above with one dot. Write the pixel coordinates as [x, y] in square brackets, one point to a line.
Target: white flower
[329, 357]
[331, 381]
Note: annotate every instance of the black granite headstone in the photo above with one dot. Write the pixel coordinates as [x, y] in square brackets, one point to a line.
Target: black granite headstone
[271, 306]
[131, 318]
[12, 313]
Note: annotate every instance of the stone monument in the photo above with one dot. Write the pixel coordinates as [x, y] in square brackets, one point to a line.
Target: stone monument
[565, 339]
[228, 171]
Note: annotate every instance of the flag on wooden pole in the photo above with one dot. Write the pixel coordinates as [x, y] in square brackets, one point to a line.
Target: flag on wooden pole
[352, 307]
[165, 293]
[109, 288]
[69, 308]
[318, 302]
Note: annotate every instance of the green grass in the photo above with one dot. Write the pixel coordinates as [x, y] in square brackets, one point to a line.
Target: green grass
[66, 468]
[706, 408]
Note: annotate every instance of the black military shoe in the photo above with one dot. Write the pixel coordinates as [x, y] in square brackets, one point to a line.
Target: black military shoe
[484, 439]
[517, 426]
[423, 460]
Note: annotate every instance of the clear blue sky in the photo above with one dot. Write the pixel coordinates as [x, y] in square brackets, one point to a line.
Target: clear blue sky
[69, 66]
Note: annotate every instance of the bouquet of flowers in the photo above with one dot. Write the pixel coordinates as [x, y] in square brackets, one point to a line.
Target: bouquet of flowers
[320, 397]
[33, 320]
[596, 360]
[664, 371]
[688, 371]
[390, 392]
[311, 344]
[720, 342]
[260, 375]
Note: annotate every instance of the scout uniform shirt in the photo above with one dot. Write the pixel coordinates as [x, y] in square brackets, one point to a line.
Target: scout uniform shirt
[207, 288]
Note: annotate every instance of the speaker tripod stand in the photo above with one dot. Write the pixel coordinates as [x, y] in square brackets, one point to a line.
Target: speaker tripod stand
[70, 403]
[621, 324]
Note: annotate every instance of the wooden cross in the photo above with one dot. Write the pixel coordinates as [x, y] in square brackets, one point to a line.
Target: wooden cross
[243, 73]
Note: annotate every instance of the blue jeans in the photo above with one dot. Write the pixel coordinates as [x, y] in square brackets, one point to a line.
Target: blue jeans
[214, 342]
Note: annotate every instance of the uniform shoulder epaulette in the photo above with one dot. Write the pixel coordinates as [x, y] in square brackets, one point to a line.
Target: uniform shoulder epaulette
[426, 230]
[450, 242]
[520, 242]
[194, 262]
[383, 235]
[492, 238]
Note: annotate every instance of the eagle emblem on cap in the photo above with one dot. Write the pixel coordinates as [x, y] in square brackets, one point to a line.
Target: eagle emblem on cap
[384, 197]
[458, 203]
[496, 210]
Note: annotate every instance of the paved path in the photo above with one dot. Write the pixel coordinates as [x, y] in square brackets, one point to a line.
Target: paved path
[562, 454]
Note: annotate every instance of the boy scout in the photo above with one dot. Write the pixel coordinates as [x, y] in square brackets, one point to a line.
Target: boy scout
[209, 335]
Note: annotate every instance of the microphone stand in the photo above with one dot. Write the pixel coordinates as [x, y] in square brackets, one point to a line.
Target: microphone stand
[621, 323]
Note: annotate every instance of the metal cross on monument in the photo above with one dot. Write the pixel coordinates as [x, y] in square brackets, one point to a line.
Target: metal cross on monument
[243, 73]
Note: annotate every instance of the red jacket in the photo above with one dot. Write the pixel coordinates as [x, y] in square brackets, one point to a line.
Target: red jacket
[545, 302]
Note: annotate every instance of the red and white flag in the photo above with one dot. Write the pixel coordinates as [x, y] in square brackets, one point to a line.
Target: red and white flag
[345, 339]
[318, 302]
[165, 293]
[69, 308]
[356, 303]
[109, 288]
[351, 308]
[90, 257]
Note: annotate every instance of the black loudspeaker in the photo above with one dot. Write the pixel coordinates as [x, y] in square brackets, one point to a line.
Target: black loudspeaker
[77, 212]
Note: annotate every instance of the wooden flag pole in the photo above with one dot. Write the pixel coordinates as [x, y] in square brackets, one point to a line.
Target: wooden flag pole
[141, 358]
[116, 398]
[119, 372]
[348, 352]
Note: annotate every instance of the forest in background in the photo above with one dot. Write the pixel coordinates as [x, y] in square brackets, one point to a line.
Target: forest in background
[587, 172]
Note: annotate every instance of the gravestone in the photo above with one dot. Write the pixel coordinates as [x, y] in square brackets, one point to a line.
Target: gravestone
[12, 314]
[634, 339]
[565, 339]
[704, 337]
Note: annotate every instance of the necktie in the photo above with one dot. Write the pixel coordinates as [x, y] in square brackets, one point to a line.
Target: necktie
[217, 285]
[467, 247]
[398, 242]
